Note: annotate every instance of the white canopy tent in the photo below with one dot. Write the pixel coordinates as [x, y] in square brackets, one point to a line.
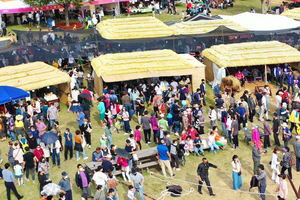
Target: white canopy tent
[263, 22]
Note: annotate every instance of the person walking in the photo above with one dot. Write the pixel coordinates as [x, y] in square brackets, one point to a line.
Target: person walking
[202, 172]
[108, 131]
[296, 146]
[235, 133]
[267, 132]
[66, 186]
[275, 165]
[9, 181]
[145, 122]
[282, 189]
[79, 117]
[28, 164]
[256, 156]
[213, 116]
[68, 145]
[236, 173]
[55, 150]
[164, 157]
[52, 114]
[286, 134]
[83, 181]
[285, 162]
[262, 180]
[241, 113]
[87, 127]
[137, 181]
[203, 91]
[78, 147]
[276, 129]
[252, 105]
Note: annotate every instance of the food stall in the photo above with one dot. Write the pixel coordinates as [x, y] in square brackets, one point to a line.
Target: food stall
[39, 80]
[146, 64]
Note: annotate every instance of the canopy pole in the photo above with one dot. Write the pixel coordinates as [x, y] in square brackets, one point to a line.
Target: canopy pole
[266, 74]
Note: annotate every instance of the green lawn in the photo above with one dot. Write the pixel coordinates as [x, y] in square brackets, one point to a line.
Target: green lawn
[153, 186]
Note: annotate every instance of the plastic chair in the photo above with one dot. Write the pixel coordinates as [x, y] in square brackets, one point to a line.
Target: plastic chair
[261, 131]
[257, 75]
[248, 137]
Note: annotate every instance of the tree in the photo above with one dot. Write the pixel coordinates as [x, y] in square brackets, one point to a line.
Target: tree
[64, 3]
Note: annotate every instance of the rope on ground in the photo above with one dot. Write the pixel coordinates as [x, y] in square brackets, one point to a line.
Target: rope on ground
[139, 191]
[241, 191]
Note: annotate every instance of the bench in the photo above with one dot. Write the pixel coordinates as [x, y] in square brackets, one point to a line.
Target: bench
[146, 165]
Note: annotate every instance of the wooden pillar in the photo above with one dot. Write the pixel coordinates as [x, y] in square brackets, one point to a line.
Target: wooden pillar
[266, 74]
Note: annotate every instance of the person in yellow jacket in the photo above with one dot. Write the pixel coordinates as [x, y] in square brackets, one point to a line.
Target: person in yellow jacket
[294, 119]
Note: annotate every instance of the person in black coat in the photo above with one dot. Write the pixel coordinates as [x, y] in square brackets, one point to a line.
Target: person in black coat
[43, 180]
[86, 189]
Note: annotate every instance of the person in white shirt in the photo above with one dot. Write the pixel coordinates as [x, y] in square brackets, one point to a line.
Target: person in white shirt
[212, 143]
[263, 108]
[228, 123]
[174, 85]
[275, 162]
[75, 93]
[278, 99]
[236, 173]
[213, 116]
[55, 150]
[37, 107]
[38, 19]
[100, 178]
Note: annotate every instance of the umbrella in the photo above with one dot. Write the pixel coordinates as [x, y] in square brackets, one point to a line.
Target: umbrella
[85, 95]
[51, 189]
[49, 137]
[9, 93]
[76, 108]
[123, 153]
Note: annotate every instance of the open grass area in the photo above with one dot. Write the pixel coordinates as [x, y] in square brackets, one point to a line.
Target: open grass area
[153, 187]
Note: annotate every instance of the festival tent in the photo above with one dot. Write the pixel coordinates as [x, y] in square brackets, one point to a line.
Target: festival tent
[9, 93]
[206, 26]
[263, 23]
[133, 28]
[145, 64]
[247, 54]
[293, 13]
[34, 76]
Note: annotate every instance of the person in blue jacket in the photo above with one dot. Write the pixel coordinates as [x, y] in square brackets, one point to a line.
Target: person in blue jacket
[290, 80]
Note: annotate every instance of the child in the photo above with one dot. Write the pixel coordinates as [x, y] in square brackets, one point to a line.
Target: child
[188, 145]
[18, 173]
[174, 156]
[112, 151]
[109, 116]
[170, 122]
[130, 193]
[197, 145]
[138, 137]
[103, 140]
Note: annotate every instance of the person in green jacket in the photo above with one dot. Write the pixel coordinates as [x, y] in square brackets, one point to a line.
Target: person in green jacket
[101, 108]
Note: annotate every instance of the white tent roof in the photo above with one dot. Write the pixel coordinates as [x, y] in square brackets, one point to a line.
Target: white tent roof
[263, 22]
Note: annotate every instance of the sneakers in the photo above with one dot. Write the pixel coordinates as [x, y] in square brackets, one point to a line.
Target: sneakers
[78, 159]
[176, 134]
[1, 160]
[26, 179]
[149, 142]
[125, 133]
[174, 168]
[212, 195]
[131, 131]
[22, 184]
[85, 158]
[174, 175]
[90, 146]
[178, 169]
[21, 197]
[233, 149]
[33, 181]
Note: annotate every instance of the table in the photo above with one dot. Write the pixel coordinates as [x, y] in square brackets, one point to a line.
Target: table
[145, 153]
[92, 166]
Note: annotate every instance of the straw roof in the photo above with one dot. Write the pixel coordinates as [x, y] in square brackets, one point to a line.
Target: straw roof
[32, 76]
[205, 26]
[133, 28]
[252, 53]
[293, 13]
[141, 65]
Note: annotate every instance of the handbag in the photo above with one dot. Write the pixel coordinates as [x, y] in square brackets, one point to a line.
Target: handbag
[240, 173]
[83, 144]
[135, 157]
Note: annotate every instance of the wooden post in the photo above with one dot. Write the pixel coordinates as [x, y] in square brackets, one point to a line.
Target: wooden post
[294, 188]
[266, 74]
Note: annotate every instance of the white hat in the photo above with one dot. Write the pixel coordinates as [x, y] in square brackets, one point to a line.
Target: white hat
[108, 156]
[284, 124]
[162, 115]
[7, 115]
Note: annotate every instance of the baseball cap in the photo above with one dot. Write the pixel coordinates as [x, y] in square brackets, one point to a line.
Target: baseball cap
[64, 173]
[162, 141]
[261, 166]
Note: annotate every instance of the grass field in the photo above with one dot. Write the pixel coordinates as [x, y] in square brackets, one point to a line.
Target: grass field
[153, 187]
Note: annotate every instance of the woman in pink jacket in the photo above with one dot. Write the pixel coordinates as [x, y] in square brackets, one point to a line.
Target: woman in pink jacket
[124, 168]
[255, 134]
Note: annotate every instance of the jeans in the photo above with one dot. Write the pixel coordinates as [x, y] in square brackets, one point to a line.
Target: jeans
[128, 107]
[83, 154]
[127, 127]
[212, 123]
[204, 102]
[224, 129]
[278, 112]
[32, 173]
[54, 154]
[212, 146]
[292, 86]
[115, 197]
[11, 135]
[196, 149]
[177, 126]
[47, 175]
[262, 189]
[141, 191]
[52, 122]
[298, 164]
[110, 142]
[229, 136]
[130, 163]
[87, 190]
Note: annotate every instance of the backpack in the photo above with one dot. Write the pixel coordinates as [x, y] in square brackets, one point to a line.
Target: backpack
[292, 161]
[259, 102]
[175, 190]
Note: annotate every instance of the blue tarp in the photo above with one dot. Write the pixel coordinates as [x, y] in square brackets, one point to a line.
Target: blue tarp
[8, 93]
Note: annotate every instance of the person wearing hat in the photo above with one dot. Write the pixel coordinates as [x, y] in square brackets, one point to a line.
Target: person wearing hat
[83, 181]
[129, 148]
[296, 146]
[282, 189]
[262, 180]
[285, 162]
[268, 133]
[19, 126]
[137, 181]
[159, 134]
[163, 122]
[107, 165]
[164, 157]
[286, 134]
[276, 129]
[66, 186]
[10, 126]
[203, 91]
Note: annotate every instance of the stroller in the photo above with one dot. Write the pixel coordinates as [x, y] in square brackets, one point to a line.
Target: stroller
[119, 124]
[181, 156]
